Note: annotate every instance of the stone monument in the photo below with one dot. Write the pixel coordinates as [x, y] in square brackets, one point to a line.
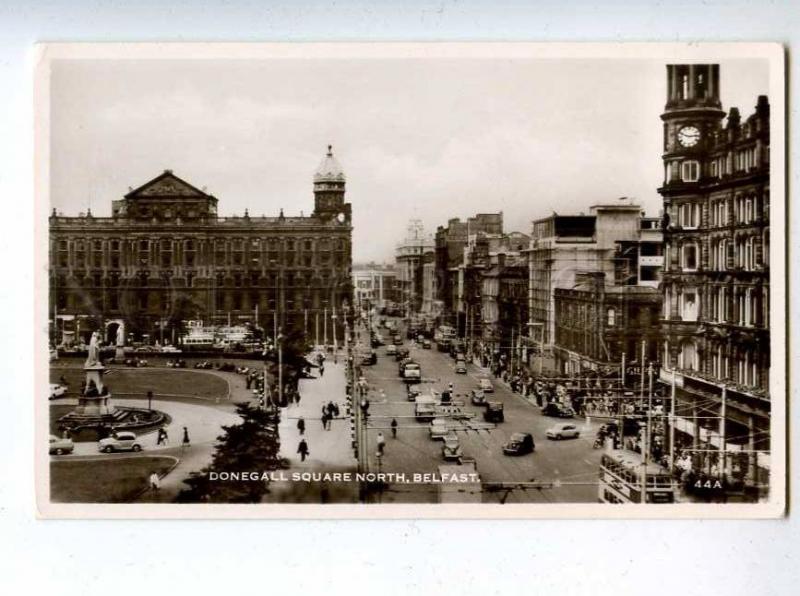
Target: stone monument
[94, 409]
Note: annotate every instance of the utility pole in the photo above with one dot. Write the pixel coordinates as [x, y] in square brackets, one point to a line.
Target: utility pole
[316, 328]
[672, 424]
[325, 326]
[723, 447]
[648, 430]
[279, 342]
[641, 375]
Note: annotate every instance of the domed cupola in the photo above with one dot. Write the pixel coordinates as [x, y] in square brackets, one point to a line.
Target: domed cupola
[329, 187]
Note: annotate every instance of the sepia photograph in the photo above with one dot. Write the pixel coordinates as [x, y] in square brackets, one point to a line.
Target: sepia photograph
[410, 280]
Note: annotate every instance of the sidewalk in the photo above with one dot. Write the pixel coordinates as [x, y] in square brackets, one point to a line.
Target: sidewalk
[329, 450]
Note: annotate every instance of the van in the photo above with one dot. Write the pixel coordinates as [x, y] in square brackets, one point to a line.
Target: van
[425, 408]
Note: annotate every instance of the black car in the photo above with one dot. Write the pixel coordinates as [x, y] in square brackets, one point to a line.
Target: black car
[426, 344]
[369, 360]
[494, 412]
[402, 354]
[519, 444]
[557, 410]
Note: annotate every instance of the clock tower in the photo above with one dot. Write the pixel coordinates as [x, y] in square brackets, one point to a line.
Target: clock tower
[329, 187]
[692, 118]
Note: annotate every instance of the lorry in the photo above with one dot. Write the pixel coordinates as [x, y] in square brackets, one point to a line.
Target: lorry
[425, 408]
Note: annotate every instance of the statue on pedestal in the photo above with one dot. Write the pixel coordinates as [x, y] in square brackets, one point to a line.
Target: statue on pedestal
[93, 359]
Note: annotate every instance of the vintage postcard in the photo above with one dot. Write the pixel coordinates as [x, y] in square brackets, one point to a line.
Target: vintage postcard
[410, 280]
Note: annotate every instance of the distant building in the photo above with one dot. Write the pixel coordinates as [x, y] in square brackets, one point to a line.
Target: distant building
[410, 257]
[450, 242]
[375, 285]
[165, 256]
[716, 277]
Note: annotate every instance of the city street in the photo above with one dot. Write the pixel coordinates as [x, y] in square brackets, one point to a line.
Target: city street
[571, 464]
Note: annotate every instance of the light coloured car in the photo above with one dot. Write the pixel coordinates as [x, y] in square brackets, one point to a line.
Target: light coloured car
[170, 350]
[61, 445]
[121, 441]
[439, 428]
[563, 430]
[451, 448]
[391, 350]
[57, 390]
[486, 385]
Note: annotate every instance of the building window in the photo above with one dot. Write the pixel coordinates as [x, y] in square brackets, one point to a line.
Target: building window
[688, 355]
[689, 215]
[690, 171]
[611, 317]
[689, 306]
[689, 256]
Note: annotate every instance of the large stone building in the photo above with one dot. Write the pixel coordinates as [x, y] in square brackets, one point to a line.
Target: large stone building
[165, 256]
[716, 277]
[410, 257]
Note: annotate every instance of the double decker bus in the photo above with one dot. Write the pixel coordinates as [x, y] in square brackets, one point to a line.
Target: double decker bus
[621, 479]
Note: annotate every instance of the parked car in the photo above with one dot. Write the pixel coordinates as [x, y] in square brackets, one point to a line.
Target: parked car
[477, 397]
[391, 350]
[170, 350]
[121, 441]
[557, 410]
[57, 390]
[486, 385]
[494, 412]
[451, 448]
[439, 428]
[519, 444]
[563, 430]
[60, 445]
[371, 359]
[426, 344]
[461, 367]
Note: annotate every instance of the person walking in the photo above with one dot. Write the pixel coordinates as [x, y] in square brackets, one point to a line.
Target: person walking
[394, 428]
[325, 420]
[186, 442]
[155, 483]
[301, 426]
[160, 439]
[381, 443]
[321, 370]
[302, 449]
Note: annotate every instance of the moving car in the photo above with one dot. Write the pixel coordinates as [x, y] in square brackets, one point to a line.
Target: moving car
[412, 373]
[451, 448]
[412, 392]
[426, 344]
[486, 385]
[57, 390]
[563, 430]
[370, 359]
[401, 354]
[461, 367]
[121, 441]
[439, 428]
[494, 412]
[60, 445]
[519, 444]
[478, 397]
[557, 410]
[391, 350]
[398, 340]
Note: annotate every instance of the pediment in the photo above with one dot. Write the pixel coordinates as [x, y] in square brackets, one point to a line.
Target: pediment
[166, 185]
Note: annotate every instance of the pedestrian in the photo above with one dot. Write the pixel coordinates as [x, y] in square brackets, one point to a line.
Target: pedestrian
[186, 442]
[381, 443]
[302, 449]
[321, 370]
[324, 420]
[301, 426]
[160, 437]
[331, 409]
[335, 410]
[155, 482]
[394, 428]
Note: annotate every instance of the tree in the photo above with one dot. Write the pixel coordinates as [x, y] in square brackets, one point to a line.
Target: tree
[250, 446]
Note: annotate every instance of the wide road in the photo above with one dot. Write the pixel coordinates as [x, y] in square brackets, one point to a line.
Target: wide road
[571, 464]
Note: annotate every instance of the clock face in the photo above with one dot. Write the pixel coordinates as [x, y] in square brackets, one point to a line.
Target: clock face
[688, 136]
[340, 217]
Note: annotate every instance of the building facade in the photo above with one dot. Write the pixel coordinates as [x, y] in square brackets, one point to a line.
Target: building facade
[375, 285]
[450, 242]
[716, 280]
[410, 258]
[600, 326]
[165, 256]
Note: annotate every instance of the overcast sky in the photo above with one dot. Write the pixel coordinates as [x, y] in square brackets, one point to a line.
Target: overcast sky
[429, 139]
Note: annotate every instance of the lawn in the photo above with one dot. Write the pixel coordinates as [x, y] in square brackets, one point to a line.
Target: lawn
[161, 381]
[113, 480]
